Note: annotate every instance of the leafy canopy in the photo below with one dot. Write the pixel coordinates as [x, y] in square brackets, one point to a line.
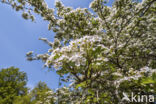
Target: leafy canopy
[12, 84]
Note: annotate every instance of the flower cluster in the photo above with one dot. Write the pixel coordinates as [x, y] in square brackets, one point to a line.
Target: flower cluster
[77, 52]
[133, 75]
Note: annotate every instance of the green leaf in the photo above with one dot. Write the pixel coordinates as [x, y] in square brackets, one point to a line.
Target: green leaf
[148, 80]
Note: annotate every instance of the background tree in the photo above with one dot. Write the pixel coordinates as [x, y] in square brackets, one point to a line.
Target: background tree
[42, 94]
[26, 99]
[103, 53]
[12, 84]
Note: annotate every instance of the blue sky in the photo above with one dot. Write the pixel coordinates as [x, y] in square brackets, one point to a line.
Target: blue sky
[18, 36]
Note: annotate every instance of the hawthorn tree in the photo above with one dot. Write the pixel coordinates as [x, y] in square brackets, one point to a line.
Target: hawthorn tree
[103, 52]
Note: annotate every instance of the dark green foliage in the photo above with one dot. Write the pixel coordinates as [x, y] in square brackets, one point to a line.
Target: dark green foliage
[12, 84]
